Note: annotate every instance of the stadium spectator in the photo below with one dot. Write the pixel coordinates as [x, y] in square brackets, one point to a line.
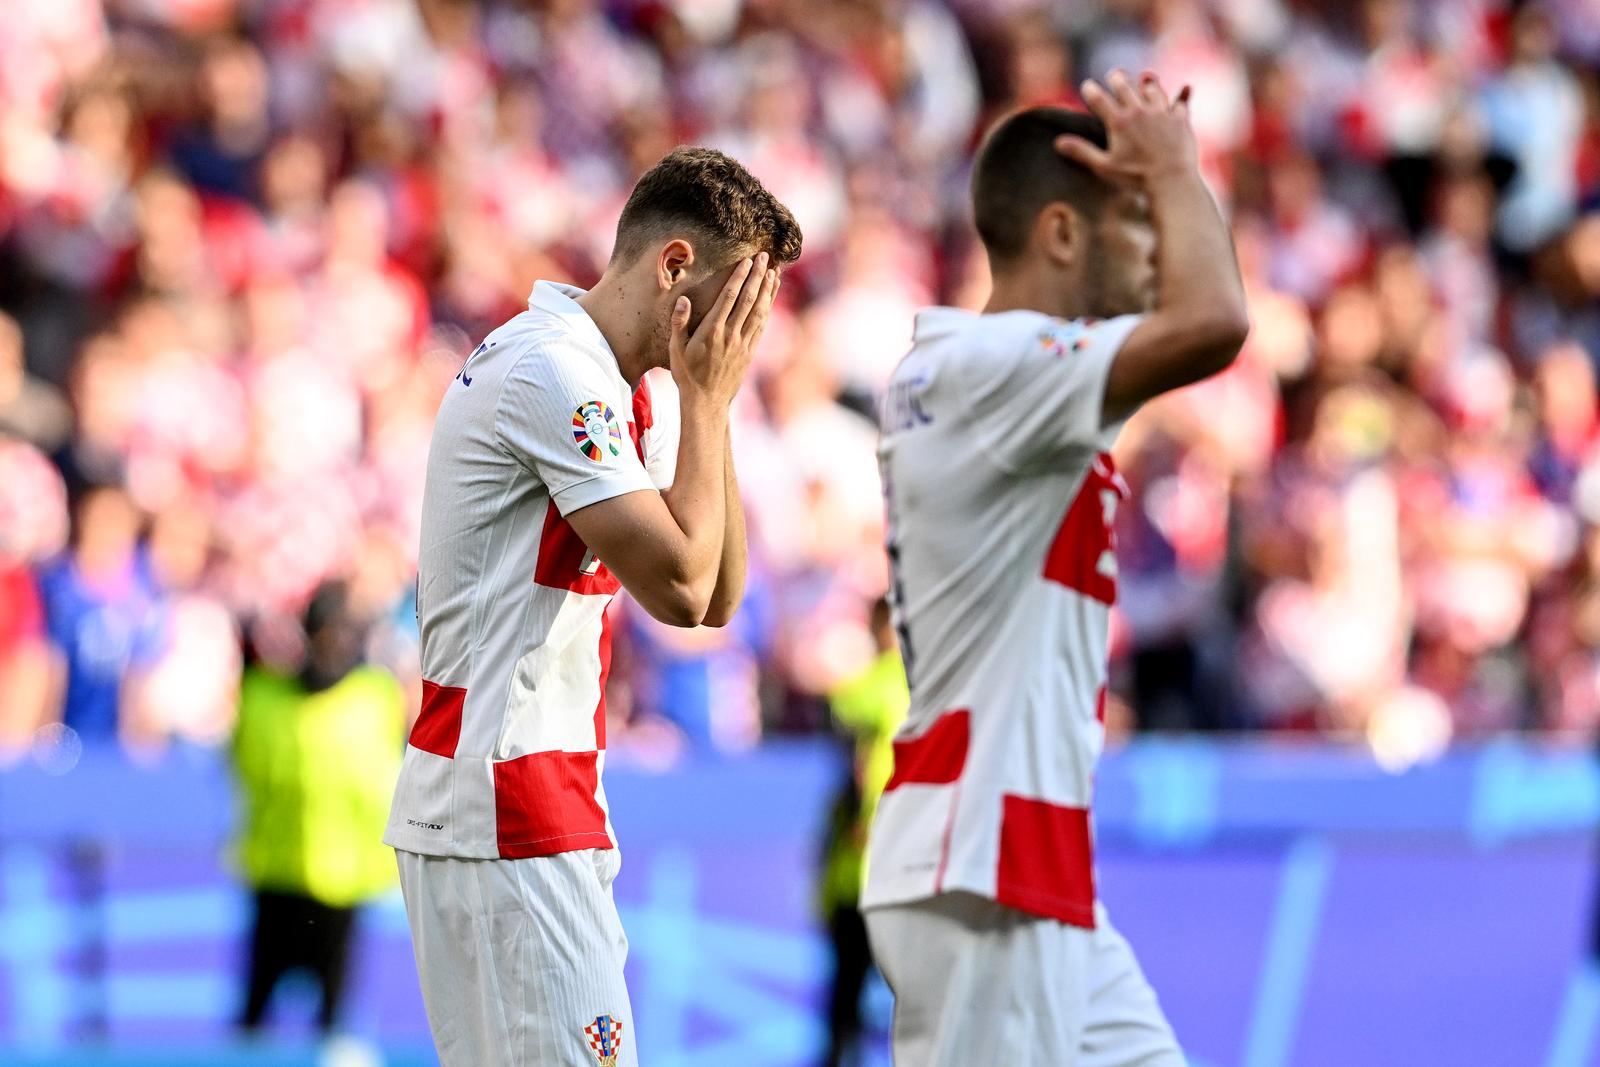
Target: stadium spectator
[104, 623]
[1534, 110]
[192, 688]
[24, 655]
[253, 241]
[33, 527]
[31, 410]
[705, 682]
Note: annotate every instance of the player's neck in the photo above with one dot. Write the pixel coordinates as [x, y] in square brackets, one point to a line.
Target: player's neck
[624, 326]
[1033, 291]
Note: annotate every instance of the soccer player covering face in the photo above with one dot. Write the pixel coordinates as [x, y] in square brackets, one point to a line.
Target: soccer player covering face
[1114, 281]
[555, 478]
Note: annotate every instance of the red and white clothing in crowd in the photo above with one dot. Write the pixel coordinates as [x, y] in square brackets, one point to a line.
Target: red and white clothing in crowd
[504, 762]
[1001, 498]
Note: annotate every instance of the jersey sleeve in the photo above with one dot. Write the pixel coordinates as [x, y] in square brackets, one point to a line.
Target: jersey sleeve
[562, 418]
[1041, 401]
[661, 439]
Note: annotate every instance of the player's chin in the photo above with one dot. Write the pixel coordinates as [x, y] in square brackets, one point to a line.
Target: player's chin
[1134, 302]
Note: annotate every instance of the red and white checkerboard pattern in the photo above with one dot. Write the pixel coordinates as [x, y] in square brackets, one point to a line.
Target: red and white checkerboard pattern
[605, 1039]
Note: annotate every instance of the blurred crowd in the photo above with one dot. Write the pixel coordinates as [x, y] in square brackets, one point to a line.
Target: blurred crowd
[245, 244]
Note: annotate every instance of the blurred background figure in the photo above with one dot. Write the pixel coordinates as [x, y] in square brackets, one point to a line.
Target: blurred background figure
[317, 751]
[33, 526]
[104, 621]
[703, 683]
[24, 655]
[244, 246]
[31, 409]
[868, 708]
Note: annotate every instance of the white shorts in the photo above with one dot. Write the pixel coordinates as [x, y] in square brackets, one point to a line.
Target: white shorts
[976, 982]
[521, 960]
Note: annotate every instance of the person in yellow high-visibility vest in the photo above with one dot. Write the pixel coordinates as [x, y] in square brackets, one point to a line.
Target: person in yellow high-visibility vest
[317, 755]
[870, 707]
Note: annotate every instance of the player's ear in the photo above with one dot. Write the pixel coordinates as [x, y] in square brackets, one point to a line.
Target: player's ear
[1058, 233]
[673, 263]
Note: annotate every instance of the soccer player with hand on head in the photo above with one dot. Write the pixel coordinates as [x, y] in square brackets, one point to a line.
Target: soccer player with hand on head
[1114, 281]
[556, 477]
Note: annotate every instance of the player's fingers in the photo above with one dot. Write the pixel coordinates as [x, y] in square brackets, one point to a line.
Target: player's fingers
[1098, 100]
[754, 282]
[717, 318]
[1085, 153]
[1122, 89]
[757, 322]
[679, 335]
[760, 309]
[1181, 103]
[1154, 93]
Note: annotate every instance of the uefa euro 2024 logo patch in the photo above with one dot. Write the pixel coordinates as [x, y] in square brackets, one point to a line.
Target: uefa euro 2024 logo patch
[605, 1039]
[1060, 338]
[595, 429]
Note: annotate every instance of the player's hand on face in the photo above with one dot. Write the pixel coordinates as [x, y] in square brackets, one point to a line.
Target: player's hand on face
[715, 359]
[1147, 132]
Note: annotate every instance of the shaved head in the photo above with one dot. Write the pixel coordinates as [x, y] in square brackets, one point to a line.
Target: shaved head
[1019, 172]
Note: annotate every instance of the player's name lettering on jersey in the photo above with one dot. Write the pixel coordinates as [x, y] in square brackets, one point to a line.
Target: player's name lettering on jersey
[903, 406]
[461, 375]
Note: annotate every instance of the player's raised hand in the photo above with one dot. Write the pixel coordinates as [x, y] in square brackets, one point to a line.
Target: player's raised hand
[714, 360]
[1147, 132]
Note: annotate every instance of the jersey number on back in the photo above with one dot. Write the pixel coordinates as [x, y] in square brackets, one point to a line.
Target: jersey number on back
[1083, 556]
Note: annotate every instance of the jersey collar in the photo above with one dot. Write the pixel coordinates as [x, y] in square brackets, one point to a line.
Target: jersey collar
[561, 300]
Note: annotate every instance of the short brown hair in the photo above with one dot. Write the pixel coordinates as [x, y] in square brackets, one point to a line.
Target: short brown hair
[1019, 172]
[711, 194]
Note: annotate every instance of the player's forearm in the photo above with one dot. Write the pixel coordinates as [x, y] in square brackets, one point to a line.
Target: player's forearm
[1199, 320]
[698, 503]
[1200, 293]
[731, 570]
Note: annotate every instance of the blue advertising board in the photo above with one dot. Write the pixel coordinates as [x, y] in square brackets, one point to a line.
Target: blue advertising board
[1295, 906]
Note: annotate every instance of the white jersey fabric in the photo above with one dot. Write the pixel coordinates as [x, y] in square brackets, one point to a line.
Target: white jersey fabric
[506, 755]
[521, 961]
[1001, 495]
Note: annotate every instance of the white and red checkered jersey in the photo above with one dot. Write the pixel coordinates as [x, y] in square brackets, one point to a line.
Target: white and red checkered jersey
[1001, 493]
[506, 755]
